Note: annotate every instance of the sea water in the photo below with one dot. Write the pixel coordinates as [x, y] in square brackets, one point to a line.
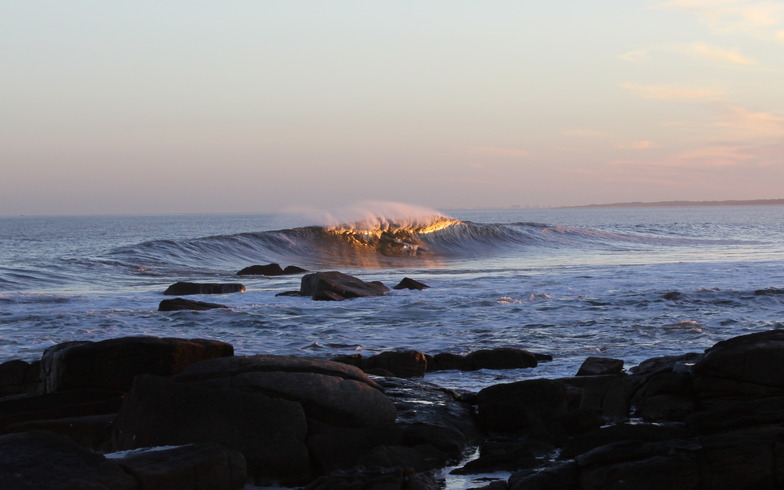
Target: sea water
[627, 283]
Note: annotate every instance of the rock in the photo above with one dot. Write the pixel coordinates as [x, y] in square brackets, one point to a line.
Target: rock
[179, 304]
[17, 377]
[672, 295]
[270, 432]
[532, 406]
[742, 367]
[206, 466]
[336, 286]
[643, 466]
[403, 364]
[561, 476]
[112, 364]
[397, 478]
[622, 432]
[408, 283]
[421, 406]
[61, 405]
[37, 460]
[186, 288]
[607, 395]
[289, 293]
[91, 431]
[261, 405]
[270, 270]
[501, 358]
[594, 366]
[262, 270]
[446, 361]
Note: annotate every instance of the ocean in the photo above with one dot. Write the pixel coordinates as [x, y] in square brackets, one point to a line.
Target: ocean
[627, 283]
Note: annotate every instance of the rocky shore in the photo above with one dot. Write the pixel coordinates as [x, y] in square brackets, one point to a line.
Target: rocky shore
[152, 413]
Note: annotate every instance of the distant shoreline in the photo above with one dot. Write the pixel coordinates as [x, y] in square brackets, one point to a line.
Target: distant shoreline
[752, 202]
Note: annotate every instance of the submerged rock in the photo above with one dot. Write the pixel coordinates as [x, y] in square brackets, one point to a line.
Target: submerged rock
[270, 270]
[336, 286]
[187, 288]
[408, 283]
[181, 304]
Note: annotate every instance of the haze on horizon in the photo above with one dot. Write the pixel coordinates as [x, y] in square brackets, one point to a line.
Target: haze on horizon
[198, 106]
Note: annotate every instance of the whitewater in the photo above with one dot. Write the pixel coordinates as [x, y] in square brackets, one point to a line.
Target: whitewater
[627, 283]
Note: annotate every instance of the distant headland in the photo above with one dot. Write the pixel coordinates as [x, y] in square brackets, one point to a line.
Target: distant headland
[753, 202]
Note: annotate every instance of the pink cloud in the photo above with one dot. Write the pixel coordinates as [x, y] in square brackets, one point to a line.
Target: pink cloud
[635, 145]
[672, 91]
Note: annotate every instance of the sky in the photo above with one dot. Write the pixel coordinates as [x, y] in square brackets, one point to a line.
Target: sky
[262, 105]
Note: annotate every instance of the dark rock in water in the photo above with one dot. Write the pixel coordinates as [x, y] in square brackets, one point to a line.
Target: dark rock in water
[180, 304]
[769, 291]
[270, 270]
[262, 270]
[595, 366]
[402, 364]
[336, 286]
[234, 400]
[112, 364]
[289, 293]
[501, 358]
[186, 288]
[40, 459]
[408, 283]
[207, 466]
[445, 361]
[17, 377]
[672, 295]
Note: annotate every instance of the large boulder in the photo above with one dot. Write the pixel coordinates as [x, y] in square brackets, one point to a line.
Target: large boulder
[112, 364]
[186, 288]
[336, 286]
[37, 460]
[261, 405]
[749, 365]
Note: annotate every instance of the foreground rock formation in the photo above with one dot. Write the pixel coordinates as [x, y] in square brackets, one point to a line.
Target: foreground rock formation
[217, 421]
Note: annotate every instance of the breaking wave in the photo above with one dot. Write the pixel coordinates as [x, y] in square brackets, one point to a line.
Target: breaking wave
[378, 241]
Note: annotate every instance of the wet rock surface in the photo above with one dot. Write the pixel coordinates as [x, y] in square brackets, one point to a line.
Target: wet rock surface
[336, 286]
[699, 421]
[188, 288]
